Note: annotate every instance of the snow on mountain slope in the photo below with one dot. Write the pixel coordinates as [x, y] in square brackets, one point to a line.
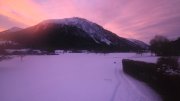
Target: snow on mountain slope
[3, 42]
[94, 30]
[72, 33]
[13, 29]
[140, 43]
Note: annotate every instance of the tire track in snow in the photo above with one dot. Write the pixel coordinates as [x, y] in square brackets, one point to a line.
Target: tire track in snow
[121, 78]
[140, 95]
[116, 72]
[127, 80]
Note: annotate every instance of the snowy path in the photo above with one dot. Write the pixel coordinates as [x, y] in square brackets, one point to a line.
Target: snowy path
[70, 77]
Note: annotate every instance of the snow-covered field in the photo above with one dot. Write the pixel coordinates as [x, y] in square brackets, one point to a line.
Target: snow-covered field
[146, 57]
[71, 77]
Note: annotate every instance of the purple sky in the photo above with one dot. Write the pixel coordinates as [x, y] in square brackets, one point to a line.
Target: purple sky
[138, 19]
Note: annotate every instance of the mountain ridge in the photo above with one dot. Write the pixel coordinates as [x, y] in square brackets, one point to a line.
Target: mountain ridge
[72, 33]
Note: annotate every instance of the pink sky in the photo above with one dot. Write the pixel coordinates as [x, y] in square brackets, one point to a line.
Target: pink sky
[138, 19]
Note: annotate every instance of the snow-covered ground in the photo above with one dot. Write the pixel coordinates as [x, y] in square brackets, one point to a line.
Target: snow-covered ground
[71, 77]
[146, 57]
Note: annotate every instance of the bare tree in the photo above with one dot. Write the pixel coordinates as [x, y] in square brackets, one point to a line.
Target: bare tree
[159, 45]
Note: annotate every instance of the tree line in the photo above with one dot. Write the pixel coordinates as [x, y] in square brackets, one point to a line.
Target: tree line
[162, 46]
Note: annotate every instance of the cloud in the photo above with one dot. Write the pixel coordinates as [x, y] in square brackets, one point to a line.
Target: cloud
[6, 22]
[139, 19]
[2, 29]
[144, 19]
[23, 11]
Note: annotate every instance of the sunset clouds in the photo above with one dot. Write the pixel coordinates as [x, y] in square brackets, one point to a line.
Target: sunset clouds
[21, 11]
[139, 19]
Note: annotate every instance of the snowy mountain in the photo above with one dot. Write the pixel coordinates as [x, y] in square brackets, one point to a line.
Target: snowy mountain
[72, 33]
[140, 43]
[13, 29]
[4, 41]
[95, 31]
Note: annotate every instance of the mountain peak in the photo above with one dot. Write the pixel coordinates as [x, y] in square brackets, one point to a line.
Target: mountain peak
[13, 29]
[92, 29]
[66, 21]
[81, 23]
[70, 33]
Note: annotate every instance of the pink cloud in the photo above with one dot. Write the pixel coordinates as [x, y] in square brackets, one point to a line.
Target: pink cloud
[2, 29]
[23, 11]
[137, 19]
